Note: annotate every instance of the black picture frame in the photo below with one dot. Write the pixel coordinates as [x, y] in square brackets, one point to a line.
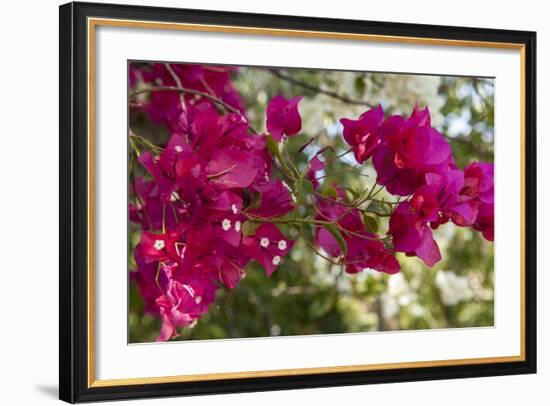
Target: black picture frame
[74, 199]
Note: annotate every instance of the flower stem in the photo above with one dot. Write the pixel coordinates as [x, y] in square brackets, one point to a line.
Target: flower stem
[144, 141]
[207, 96]
[314, 249]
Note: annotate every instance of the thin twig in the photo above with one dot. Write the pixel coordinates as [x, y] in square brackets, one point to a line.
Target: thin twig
[334, 158]
[312, 247]
[181, 89]
[178, 83]
[316, 89]
[348, 170]
[146, 142]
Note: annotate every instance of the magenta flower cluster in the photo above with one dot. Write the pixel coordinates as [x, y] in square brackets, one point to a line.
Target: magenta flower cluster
[413, 160]
[191, 205]
[216, 175]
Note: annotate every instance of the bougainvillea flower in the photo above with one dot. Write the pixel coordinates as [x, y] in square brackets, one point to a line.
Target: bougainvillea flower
[268, 246]
[227, 264]
[428, 250]
[230, 273]
[425, 203]
[412, 235]
[448, 188]
[158, 247]
[422, 147]
[325, 240]
[315, 165]
[366, 251]
[337, 210]
[203, 128]
[275, 201]
[210, 79]
[171, 318]
[420, 118]
[225, 214]
[182, 304]
[331, 208]
[231, 168]
[363, 134]
[398, 181]
[364, 248]
[146, 277]
[485, 221]
[147, 207]
[436, 202]
[283, 117]
[174, 166]
[409, 149]
[215, 173]
[165, 181]
[405, 228]
[165, 106]
[479, 182]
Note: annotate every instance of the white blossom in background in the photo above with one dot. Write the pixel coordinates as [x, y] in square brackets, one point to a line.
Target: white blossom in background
[416, 310]
[402, 91]
[390, 306]
[398, 294]
[399, 288]
[322, 112]
[322, 275]
[476, 283]
[453, 288]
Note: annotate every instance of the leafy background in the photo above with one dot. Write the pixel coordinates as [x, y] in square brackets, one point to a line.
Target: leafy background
[308, 295]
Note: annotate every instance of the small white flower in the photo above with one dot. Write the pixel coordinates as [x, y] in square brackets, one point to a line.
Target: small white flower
[178, 148]
[198, 299]
[234, 209]
[226, 224]
[276, 260]
[282, 245]
[159, 244]
[174, 196]
[266, 176]
[237, 226]
[264, 242]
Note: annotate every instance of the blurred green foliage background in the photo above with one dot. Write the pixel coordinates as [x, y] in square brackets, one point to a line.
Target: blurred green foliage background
[308, 295]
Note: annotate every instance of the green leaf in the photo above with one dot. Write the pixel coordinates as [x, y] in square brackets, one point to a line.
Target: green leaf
[273, 147]
[331, 228]
[353, 193]
[360, 85]
[330, 192]
[379, 206]
[387, 205]
[370, 222]
[304, 187]
[254, 200]
[248, 228]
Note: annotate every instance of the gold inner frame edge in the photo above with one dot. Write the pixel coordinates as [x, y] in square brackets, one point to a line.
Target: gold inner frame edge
[92, 23]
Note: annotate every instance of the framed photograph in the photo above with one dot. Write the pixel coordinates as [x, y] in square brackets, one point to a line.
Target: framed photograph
[257, 202]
